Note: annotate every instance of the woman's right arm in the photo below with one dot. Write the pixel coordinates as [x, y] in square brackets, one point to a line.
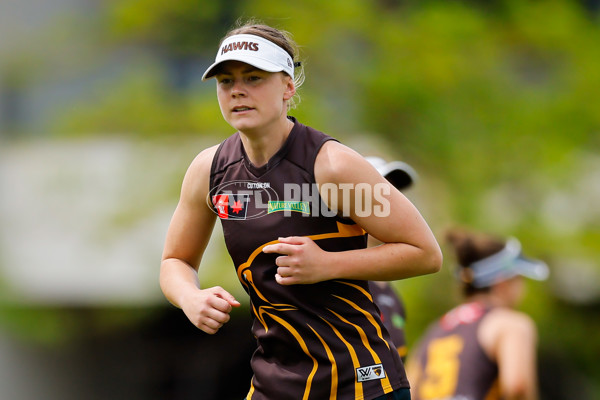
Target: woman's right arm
[510, 338]
[413, 369]
[187, 237]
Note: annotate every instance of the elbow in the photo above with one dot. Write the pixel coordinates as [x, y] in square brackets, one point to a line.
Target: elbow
[163, 281]
[434, 261]
[518, 387]
[518, 391]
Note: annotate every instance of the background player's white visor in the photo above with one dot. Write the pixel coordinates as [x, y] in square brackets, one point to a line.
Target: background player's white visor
[399, 173]
[507, 263]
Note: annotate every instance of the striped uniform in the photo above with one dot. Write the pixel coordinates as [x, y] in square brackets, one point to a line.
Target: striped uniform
[392, 312]
[453, 363]
[318, 341]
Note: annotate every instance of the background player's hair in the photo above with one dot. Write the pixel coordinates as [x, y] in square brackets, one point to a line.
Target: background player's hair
[469, 247]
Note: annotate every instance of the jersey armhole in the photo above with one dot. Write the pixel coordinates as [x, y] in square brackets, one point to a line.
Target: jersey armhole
[316, 153]
[213, 166]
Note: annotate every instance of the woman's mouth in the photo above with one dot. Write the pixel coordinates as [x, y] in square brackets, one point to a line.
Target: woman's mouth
[241, 109]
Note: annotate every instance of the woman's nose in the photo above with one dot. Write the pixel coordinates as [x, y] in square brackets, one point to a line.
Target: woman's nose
[238, 89]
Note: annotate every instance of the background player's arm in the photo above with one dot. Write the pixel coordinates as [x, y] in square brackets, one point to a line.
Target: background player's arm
[510, 338]
[409, 247]
[187, 237]
[413, 370]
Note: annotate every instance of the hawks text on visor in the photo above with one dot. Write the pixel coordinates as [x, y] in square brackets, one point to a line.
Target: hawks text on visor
[249, 46]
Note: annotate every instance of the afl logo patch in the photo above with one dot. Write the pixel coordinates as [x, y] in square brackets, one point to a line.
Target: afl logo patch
[370, 373]
[231, 206]
[241, 200]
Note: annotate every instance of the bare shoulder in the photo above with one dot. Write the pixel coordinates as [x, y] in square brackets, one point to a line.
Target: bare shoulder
[337, 162]
[197, 178]
[502, 323]
[204, 159]
[506, 317]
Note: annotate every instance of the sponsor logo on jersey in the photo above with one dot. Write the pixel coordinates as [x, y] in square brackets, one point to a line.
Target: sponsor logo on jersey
[370, 373]
[297, 206]
[231, 206]
[250, 199]
[241, 200]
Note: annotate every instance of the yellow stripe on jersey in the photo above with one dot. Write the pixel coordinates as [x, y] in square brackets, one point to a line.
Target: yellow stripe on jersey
[402, 351]
[385, 382]
[243, 271]
[358, 391]
[251, 391]
[344, 230]
[494, 392]
[365, 292]
[263, 310]
[334, 368]
[368, 316]
[302, 344]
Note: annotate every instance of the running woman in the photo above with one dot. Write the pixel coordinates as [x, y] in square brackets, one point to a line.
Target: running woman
[295, 206]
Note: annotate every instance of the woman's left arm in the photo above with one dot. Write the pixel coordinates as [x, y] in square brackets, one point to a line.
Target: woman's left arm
[350, 185]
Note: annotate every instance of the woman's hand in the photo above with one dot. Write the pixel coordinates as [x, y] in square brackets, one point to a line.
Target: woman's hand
[301, 262]
[208, 309]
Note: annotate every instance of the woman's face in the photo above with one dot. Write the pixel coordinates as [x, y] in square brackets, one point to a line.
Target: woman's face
[513, 290]
[251, 98]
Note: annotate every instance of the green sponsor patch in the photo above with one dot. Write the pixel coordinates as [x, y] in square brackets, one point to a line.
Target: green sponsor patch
[297, 206]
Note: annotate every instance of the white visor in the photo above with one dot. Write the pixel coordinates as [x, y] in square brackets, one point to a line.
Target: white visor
[399, 173]
[507, 263]
[254, 50]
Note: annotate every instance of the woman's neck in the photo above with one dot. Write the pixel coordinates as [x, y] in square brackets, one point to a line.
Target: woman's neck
[261, 145]
[489, 298]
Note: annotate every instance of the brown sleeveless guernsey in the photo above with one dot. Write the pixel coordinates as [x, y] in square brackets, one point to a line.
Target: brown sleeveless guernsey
[318, 341]
[453, 364]
[392, 312]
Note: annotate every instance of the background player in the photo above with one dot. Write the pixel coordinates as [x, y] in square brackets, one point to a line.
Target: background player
[387, 298]
[483, 348]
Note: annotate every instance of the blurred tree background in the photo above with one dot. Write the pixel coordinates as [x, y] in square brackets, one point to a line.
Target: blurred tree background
[495, 103]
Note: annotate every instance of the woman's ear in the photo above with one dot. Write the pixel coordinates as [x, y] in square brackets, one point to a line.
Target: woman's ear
[290, 89]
